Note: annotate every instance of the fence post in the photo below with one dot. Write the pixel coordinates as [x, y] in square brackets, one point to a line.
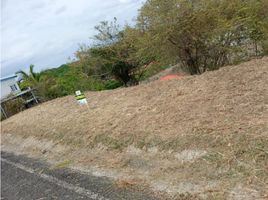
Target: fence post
[33, 95]
[3, 111]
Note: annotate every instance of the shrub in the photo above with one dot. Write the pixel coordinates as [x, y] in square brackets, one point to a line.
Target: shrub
[12, 107]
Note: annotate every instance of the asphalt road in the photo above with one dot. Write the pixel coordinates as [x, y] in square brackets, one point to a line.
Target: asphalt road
[23, 178]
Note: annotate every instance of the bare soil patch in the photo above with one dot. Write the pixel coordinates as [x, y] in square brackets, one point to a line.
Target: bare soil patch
[194, 137]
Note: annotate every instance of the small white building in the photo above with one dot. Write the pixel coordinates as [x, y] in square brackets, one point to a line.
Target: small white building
[9, 86]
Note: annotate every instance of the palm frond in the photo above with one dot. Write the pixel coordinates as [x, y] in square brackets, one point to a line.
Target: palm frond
[23, 73]
[32, 70]
[34, 75]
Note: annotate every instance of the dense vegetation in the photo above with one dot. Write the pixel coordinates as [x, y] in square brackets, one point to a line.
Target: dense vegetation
[201, 35]
[62, 81]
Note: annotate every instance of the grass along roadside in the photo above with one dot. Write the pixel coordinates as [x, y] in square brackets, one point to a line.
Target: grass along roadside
[205, 136]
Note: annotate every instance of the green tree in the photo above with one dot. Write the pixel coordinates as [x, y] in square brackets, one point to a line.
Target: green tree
[112, 55]
[32, 78]
[202, 35]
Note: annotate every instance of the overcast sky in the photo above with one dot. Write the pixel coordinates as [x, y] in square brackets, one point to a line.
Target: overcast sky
[46, 32]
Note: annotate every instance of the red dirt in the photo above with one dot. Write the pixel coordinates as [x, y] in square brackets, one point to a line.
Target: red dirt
[170, 77]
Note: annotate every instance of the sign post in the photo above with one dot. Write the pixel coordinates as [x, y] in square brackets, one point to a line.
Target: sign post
[81, 98]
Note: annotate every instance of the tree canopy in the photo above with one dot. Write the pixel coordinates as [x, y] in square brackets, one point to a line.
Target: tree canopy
[203, 34]
[199, 35]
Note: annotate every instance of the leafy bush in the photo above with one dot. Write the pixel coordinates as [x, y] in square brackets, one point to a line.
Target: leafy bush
[112, 84]
[265, 47]
[12, 107]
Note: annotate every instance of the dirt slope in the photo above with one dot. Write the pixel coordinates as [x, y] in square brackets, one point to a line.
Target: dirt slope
[205, 135]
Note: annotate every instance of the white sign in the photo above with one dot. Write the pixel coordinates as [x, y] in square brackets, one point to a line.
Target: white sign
[81, 98]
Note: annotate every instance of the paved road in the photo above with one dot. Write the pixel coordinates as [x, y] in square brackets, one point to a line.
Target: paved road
[27, 179]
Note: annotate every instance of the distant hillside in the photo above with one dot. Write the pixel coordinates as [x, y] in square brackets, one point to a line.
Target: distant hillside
[202, 136]
[67, 78]
[59, 71]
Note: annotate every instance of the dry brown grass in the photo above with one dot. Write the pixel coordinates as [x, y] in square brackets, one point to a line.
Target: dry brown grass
[143, 131]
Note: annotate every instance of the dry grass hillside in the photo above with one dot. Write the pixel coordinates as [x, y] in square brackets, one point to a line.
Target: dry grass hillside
[198, 136]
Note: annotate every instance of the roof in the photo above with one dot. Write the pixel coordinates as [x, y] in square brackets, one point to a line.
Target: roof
[8, 77]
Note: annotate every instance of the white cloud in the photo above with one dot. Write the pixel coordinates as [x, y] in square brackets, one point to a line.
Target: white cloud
[47, 32]
[125, 1]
